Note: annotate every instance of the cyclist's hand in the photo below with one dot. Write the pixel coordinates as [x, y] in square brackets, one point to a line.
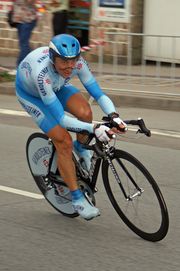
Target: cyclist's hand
[103, 133]
[121, 127]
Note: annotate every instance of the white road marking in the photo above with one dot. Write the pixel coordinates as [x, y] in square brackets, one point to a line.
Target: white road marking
[21, 192]
[14, 112]
[153, 132]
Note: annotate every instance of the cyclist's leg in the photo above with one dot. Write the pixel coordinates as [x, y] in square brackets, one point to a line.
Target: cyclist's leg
[63, 143]
[60, 136]
[74, 103]
[78, 106]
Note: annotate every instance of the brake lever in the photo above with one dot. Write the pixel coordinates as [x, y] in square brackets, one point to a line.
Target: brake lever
[143, 129]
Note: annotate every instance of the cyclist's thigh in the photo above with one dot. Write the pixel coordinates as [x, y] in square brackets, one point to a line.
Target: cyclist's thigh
[74, 102]
[65, 93]
[37, 110]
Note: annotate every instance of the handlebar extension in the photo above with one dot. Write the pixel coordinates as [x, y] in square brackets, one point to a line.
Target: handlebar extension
[139, 122]
[142, 127]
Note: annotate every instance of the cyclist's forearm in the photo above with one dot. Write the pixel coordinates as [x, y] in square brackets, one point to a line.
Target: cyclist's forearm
[106, 104]
[68, 122]
[102, 99]
[75, 125]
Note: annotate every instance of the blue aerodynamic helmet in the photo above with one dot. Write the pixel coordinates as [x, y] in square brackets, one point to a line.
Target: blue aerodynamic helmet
[64, 46]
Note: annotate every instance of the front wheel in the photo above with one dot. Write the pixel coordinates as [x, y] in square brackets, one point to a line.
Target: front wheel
[135, 196]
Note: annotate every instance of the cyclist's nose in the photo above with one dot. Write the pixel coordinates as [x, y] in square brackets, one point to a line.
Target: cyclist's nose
[71, 63]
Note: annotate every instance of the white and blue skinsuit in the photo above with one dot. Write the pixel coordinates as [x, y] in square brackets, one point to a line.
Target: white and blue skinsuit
[44, 93]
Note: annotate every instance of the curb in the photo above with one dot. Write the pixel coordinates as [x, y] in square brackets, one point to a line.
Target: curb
[122, 99]
[156, 103]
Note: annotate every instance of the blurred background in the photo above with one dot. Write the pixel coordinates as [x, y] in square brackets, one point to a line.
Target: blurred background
[137, 41]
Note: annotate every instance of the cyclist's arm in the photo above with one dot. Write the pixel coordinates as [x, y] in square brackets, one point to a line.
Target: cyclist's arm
[49, 98]
[93, 88]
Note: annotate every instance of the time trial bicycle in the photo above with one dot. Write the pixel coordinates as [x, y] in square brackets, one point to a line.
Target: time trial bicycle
[133, 192]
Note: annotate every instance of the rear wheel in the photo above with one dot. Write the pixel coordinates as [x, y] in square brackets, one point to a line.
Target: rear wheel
[39, 151]
[135, 196]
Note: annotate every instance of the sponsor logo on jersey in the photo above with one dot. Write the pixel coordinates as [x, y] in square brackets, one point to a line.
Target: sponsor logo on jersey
[48, 81]
[46, 51]
[26, 66]
[79, 66]
[82, 61]
[40, 80]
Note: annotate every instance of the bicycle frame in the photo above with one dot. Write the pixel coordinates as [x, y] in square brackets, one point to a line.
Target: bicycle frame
[100, 151]
[91, 177]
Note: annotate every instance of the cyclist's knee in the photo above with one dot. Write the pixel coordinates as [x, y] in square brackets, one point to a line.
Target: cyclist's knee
[64, 145]
[85, 113]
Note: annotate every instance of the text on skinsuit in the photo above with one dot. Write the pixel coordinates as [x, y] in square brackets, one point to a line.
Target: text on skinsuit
[31, 110]
[42, 58]
[40, 79]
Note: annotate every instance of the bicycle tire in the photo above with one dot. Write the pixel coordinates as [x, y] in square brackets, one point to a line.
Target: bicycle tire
[131, 220]
[39, 179]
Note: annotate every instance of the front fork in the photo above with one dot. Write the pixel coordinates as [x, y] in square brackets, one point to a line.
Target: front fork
[109, 155]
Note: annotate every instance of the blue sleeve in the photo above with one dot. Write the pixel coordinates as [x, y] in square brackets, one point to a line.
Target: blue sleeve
[67, 122]
[93, 88]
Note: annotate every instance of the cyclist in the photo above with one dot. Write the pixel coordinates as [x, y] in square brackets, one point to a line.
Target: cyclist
[44, 91]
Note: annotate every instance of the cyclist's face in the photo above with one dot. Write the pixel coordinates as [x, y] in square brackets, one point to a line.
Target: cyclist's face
[64, 67]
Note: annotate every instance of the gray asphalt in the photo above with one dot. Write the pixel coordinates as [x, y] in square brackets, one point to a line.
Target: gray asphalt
[35, 237]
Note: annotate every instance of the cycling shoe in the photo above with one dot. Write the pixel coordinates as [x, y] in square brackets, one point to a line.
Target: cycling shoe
[85, 209]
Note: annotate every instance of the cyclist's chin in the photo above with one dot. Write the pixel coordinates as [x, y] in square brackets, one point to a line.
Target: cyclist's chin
[65, 73]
